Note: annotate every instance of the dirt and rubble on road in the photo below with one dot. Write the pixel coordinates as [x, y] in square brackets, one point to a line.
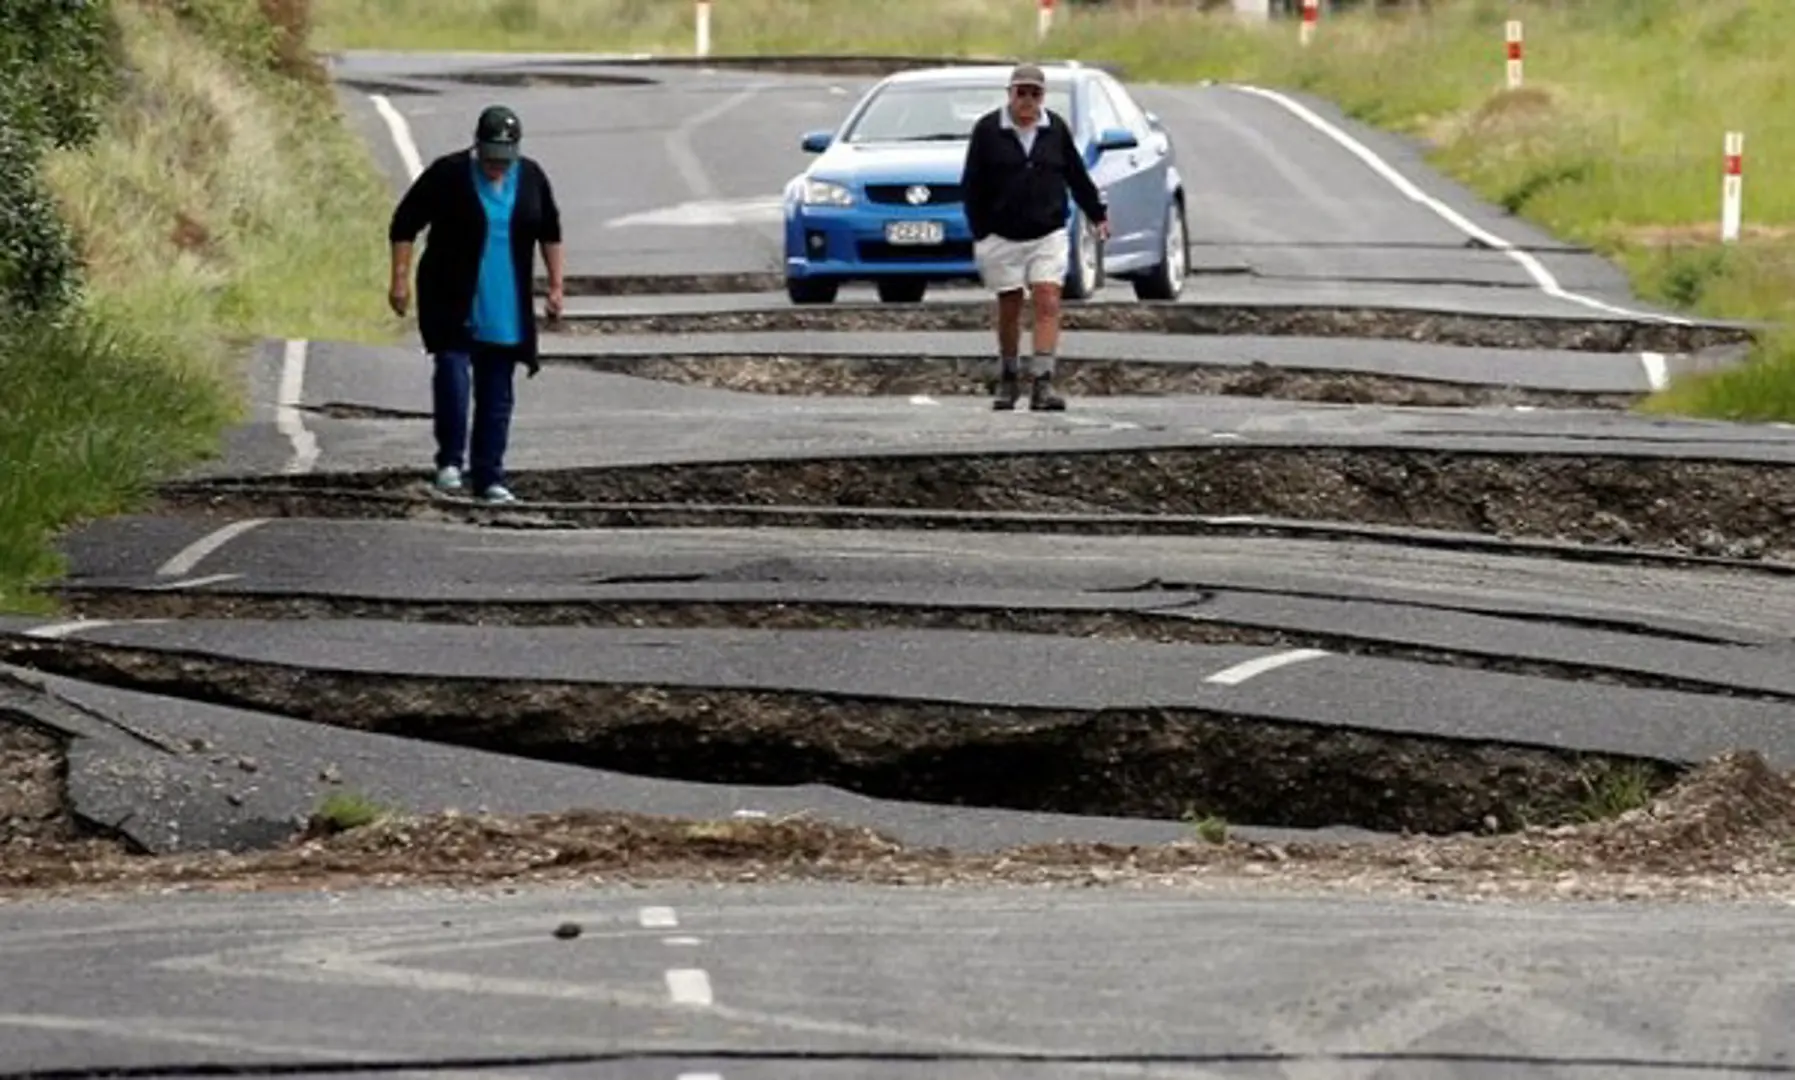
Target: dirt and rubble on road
[1726, 831]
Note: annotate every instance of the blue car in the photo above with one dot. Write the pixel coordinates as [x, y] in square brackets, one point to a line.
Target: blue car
[882, 202]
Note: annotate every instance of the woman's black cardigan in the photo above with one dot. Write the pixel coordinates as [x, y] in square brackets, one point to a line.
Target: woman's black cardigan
[444, 199]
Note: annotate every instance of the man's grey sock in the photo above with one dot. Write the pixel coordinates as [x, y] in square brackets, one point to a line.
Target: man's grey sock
[1043, 365]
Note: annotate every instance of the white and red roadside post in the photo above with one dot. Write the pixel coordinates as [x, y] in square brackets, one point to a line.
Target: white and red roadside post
[1311, 15]
[703, 45]
[1043, 18]
[1514, 54]
[1732, 187]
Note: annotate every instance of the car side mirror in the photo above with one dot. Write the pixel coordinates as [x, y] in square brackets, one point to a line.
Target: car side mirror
[816, 142]
[1116, 139]
[1154, 122]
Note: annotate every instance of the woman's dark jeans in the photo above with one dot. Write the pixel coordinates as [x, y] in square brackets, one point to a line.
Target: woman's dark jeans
[489, 375]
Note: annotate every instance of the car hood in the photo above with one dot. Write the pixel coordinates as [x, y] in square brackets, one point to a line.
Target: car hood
[892, 163]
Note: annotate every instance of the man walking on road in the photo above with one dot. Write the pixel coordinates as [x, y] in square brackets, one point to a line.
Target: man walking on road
[1020, 163]
[487, 208]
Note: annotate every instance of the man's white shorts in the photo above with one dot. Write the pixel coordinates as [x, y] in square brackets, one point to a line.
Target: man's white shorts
[1008, 265]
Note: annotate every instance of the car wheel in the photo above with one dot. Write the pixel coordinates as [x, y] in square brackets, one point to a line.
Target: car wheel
[903, 290]
[1085, 276]
[812, 290]
[1166, 281]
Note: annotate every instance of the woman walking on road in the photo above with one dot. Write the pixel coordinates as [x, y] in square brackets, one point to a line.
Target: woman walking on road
[487, 208]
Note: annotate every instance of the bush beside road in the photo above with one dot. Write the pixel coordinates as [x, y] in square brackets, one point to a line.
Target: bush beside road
[1615, 140]
[194, 188]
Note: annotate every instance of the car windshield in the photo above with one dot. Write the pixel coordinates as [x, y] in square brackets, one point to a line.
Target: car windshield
[936, 113]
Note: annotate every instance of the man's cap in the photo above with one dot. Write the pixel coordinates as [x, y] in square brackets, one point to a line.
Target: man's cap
[1028, 75]
[497, 133]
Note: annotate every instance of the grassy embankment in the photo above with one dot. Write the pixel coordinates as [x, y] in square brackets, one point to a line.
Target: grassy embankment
[1615, 142]
[194, 188]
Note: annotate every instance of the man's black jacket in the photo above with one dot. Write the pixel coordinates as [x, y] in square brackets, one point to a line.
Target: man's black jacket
[444, 199]
[1023, 196]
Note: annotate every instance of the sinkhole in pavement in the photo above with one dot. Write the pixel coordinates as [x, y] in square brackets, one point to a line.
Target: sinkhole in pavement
[1164, 763]
[949, 377]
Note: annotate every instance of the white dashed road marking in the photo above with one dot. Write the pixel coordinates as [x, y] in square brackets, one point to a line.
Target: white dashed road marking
[681, 942]
[64, 629]
[1534, 268]
[189, 557]
[658, 917]
[286, 409]
[1240, 673]
[1657, 375]
[689, 986]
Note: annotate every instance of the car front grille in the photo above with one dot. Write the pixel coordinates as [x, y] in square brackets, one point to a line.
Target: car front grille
[877, 251]
[889, 194]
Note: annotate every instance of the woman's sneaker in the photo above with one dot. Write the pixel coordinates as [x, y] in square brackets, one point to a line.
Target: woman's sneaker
[498, 493]
[448, 480]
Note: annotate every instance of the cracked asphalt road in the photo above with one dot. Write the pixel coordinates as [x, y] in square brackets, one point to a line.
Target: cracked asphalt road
[1414, 630]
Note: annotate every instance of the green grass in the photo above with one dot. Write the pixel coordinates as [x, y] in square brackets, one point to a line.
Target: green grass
[219, 203]
[1614, 142]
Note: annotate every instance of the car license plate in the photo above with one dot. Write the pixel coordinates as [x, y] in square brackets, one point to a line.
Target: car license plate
[913, 232]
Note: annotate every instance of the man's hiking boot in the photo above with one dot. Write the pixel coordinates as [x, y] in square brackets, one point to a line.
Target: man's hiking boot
[1041, 397]
[1008, 390]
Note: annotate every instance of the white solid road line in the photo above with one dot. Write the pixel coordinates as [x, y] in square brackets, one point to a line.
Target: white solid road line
[401, 132]
[286, 409]
[681, 942]
[1240, 673]
[657, 917]
[1657, 375]
[679, 143]
[689, 986]
[186, 559]
[1535, 269]
[64, 629]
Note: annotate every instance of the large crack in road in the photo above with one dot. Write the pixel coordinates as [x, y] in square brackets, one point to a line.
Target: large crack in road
[820, 375]
[1727, 509]
[1171, 763]
[1234, 320]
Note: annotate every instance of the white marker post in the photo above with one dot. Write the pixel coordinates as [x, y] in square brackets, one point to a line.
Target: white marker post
[1043, 18]
[1311, 15]
[1732, 187]
[1514, 54]
[704, 28]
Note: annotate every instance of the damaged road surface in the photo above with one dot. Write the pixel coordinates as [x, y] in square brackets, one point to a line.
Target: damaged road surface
[1349, 582]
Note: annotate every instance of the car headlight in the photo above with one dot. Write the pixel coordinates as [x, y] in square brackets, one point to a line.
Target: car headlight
[824, 193]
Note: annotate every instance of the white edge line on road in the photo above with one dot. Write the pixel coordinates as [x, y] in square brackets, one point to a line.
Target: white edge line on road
[1657, 375]
[657, 917]
[286, 408]
[689, 986]
[401, 132]
[186, 559]
[64, 629]
[1241, 672]
[1535, 269]
[681, 942]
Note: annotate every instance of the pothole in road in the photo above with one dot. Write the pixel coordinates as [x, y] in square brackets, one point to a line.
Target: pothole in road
[1738, 510]
[1235, 320]
[810, 375]
[1143, 626]
[1160, 763]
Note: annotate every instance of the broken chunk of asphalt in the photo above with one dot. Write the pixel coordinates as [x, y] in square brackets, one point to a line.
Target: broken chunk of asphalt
[1444, 328]
[1447, 752]
[855, 375]
[1672, 662]
[1731, 509]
